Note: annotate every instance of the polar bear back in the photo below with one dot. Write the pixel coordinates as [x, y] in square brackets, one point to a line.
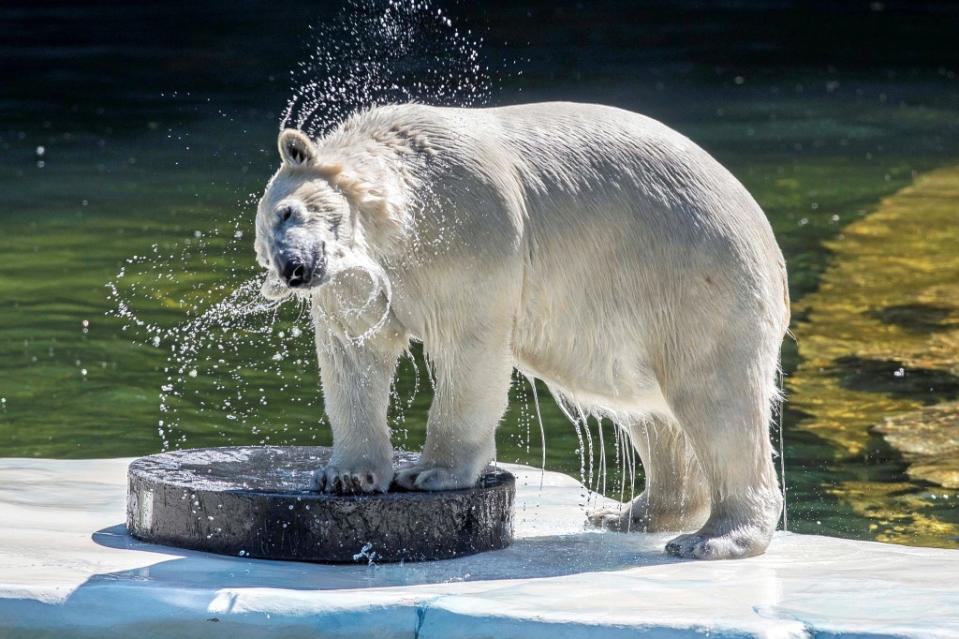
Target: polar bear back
[613, 227]
[578, 167]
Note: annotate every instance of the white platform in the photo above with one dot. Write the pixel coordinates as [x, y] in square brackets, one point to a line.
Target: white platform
[67, 569]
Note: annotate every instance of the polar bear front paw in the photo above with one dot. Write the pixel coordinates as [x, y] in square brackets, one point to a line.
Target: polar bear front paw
[427, 477]
[352, 481]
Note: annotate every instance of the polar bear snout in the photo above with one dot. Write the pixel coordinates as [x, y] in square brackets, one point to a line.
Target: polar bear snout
[295, 273]
[299, 271]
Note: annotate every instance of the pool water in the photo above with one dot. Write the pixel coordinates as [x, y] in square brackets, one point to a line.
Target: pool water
[137, 141]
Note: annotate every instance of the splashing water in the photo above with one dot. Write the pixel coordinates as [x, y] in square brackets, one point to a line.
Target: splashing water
[417, 55]
[215, 359]
[218, 361]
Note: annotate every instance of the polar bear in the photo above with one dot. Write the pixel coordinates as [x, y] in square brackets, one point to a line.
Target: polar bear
[587, 246]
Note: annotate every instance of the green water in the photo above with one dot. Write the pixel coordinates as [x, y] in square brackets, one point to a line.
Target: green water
[131, 169]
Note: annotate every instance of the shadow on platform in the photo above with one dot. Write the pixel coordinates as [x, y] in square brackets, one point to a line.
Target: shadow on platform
[529, 557]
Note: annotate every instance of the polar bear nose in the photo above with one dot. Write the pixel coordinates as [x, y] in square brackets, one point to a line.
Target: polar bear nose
[296, 273]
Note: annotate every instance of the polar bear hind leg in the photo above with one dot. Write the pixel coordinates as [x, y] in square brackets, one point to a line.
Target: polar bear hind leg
[675, 497]
[724, 411]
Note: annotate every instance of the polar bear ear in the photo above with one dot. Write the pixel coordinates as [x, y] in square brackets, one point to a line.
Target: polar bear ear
[295, 148]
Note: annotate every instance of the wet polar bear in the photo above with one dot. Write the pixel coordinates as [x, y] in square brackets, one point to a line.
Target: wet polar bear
[589, 247]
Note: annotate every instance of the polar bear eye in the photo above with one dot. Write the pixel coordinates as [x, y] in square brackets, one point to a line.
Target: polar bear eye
[285, 213]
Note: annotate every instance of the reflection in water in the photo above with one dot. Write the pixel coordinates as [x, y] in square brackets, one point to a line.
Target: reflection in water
[879, 343]
[929, 439]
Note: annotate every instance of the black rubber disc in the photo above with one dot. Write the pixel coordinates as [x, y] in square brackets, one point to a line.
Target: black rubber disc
[259, 502]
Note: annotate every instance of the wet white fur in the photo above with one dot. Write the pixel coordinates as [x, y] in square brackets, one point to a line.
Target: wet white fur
[587, 246]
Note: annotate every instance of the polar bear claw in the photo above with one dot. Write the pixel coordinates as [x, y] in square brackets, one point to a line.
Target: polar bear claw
[333, 479]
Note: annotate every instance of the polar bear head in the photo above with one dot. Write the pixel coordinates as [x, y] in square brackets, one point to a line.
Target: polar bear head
[315, 218]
